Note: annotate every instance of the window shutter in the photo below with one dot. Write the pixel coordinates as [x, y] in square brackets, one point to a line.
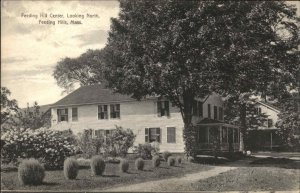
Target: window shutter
[158, 135]
[159, 108]
[146, 135]
[195, 108]
[167, 109]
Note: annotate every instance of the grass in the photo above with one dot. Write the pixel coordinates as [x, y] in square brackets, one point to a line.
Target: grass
[250, 179]
[112, 176]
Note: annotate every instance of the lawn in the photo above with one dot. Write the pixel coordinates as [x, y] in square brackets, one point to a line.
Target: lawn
[250, 179]
[267, 174]
[112, 177]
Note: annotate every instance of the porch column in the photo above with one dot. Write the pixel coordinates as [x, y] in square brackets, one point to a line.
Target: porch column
[220, 130]
[207, 134]
[271, 141]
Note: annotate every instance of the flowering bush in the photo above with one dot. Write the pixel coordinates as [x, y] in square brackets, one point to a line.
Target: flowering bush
[48, 146]
[118, 142]
[147, 150]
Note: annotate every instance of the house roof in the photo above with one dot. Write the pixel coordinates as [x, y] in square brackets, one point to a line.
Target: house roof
[213, 122]
[208, 121]
[92, 94]
[271, 106]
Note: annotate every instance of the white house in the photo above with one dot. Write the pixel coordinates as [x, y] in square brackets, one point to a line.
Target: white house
[265, 137]
[151, 119]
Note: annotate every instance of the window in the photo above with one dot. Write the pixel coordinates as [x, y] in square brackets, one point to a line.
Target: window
[99, 133]
[257, 110]
[270, 123]
[62, 115]
[163, 108]
[115, 111]
[200, 108]
[74, 114]
[221, 114]
[171, 135]
[102, 112]
[152, 134]
[215, 112]
[208, 111]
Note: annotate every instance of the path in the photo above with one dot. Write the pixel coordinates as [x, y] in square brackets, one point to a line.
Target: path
[171, 184]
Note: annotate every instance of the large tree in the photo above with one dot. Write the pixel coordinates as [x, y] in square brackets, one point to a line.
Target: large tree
[182, 50]
[8, 106]
[83, 70]
[262, 55]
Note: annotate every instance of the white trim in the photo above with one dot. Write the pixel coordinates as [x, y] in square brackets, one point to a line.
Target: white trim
[269, 107]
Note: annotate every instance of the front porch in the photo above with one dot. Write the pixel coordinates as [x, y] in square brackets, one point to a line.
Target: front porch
[214, 135]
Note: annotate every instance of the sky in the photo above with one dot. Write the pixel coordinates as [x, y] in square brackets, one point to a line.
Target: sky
[30, 50]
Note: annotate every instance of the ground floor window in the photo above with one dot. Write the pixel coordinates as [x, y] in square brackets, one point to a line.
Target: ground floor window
[62, 115]
[171, 135]
[152, 134]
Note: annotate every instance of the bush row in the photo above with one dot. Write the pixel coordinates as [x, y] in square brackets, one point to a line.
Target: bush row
[32, 172]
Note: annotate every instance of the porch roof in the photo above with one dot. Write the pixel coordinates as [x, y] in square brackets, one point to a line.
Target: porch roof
[213, 122]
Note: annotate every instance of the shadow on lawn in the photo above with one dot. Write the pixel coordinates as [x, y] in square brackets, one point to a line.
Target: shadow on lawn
[276, 162]
[50, 183]
[163, 167]
[110, 176]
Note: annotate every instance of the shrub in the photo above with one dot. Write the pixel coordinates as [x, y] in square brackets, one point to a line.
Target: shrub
[179, 160]
[31, 172]
[48, 146]
[171, 161]
[146, 151]
[118, 142]
[70, 168]
[156, 161]
[139, 164]
[124, 165]
[97, 165]
[191, 159]
[90, 145]
[166, 155]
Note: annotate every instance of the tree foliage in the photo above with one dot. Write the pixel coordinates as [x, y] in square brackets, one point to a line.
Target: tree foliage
[8, 106]
[289, 122]
[30, 117]
[182, 50]
[84, 70]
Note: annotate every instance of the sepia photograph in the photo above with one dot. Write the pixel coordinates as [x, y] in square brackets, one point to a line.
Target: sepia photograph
[150, 96]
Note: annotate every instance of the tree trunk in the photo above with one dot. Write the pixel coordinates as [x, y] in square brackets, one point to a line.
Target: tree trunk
[243, 126]
[189, 131]
[187, 109]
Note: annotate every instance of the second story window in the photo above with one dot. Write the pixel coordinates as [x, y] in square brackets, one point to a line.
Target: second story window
[75, 114]
[208, 111]
[270, 123]
[102, 112]
[215, 112]
[62, 115]
[163, 108]
[115, 111]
